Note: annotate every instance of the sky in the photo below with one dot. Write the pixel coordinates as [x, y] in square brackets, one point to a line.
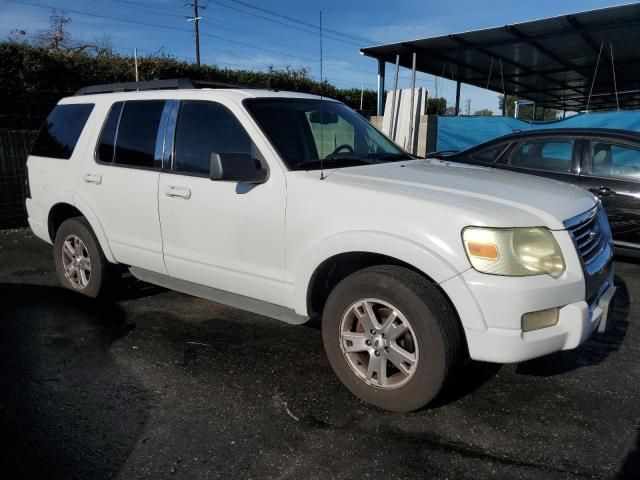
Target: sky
[254, 34]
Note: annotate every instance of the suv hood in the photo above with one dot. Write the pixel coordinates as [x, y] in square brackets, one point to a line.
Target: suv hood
[493, 192]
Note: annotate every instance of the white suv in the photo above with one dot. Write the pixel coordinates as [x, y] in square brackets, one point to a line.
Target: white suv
[293, 207]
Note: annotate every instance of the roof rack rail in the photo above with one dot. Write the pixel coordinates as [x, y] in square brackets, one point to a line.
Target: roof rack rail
[169, 84]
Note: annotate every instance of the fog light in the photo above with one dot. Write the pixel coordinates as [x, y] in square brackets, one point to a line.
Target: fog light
[541, 319]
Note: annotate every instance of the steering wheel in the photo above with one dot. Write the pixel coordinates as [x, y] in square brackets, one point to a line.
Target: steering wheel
[344, 146]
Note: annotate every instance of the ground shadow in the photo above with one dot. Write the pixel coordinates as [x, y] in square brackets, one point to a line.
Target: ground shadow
[631, 466]
[61, 408]
[593, 351]
[130, 288]
[466, 380]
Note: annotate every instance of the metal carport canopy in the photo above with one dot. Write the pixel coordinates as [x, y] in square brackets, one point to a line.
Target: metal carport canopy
[551, 61]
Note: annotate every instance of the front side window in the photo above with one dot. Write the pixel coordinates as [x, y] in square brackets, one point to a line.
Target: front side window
[547, 155]
[489, 154]
[618, 161]
[204, 128]
[137, 133]
[62, 128]
[306, 131]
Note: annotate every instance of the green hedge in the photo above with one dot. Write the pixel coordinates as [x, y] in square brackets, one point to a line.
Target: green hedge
[32, 80]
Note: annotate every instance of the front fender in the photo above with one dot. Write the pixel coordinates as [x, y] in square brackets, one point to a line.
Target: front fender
[400, 248]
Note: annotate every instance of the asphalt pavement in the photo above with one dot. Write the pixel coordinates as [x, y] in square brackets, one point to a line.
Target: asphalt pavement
[156, 384]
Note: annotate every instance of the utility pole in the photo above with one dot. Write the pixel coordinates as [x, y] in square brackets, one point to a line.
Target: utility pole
[196, 20]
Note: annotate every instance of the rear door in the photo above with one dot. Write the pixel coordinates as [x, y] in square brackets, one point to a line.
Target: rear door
[121, 183]
[554, 157]
[612, 172]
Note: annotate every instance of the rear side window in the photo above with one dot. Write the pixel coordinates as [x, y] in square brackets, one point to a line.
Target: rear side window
[107, 141]
[618, 161]
[62, 128]
[550, 156]
[137, 133]
[204, 128]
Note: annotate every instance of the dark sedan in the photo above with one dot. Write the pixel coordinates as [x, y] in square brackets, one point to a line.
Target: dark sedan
[605, 161]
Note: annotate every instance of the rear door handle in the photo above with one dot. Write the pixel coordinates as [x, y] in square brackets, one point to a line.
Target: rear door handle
[175, 191]
[602, 191]
[93, 178]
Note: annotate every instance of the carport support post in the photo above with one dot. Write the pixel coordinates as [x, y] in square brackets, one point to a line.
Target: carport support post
[380, 87]
[412, 120]
[457, 98]
[392, 128]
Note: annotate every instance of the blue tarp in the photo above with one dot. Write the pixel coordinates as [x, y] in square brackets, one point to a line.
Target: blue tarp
[458, 133]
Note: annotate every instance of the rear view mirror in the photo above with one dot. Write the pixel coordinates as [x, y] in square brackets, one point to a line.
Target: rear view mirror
[236, 167]
[323, 117]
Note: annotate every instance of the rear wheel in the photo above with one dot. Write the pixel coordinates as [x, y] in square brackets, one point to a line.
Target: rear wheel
[80, 263]
[390, 336]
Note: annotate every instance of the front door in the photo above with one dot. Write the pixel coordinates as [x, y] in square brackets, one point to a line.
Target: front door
[225, 235]
[613, 173]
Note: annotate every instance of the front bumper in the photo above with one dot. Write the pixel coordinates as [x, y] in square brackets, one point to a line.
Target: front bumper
[491, 308]
[576, 323]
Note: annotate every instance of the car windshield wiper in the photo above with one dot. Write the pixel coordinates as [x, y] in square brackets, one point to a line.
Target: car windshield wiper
[393, 157]
[337, 162]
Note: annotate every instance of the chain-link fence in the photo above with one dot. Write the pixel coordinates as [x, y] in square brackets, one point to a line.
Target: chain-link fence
[14, 149]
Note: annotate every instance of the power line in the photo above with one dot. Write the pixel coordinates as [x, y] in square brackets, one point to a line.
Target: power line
[301, 22]
[227, 25]
[282, 23]
[209, 35]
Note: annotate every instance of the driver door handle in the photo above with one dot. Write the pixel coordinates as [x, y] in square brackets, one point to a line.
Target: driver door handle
[602, 191]
[175, 191]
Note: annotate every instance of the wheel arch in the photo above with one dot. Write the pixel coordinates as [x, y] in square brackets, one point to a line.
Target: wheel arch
[62, 211]
[332, 259]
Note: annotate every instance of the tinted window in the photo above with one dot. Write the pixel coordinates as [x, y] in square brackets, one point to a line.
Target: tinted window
[490, 154]
[552, 155]
[62, 128]
[107, 141]
[330, 136]
[612, 160]
[204, 128]
[137, 133]
[305, 131]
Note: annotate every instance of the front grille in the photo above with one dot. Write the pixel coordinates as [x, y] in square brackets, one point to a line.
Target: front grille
[591, 234]
[592, 237]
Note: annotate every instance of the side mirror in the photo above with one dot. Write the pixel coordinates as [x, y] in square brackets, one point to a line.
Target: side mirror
[236, 167]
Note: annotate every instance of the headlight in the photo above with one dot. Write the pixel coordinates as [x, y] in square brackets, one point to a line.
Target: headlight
[513, 251]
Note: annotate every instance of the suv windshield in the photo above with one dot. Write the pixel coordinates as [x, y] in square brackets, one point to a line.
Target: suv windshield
[305, 131]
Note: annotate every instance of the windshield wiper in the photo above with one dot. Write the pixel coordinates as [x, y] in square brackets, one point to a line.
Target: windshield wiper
[394, 157]
[332, 163]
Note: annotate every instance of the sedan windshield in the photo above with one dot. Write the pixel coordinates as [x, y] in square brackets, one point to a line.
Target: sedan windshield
[310, 134]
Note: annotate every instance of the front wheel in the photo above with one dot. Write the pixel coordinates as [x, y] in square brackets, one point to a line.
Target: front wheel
[390, 336]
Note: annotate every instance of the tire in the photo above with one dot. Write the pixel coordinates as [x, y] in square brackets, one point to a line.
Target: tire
[405, 302]
[102, 276]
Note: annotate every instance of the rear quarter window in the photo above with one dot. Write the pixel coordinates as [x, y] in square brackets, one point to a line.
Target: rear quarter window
[62, 128]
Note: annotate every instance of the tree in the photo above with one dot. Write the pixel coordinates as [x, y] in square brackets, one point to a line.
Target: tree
[485, 112]
[525, 112]
[436, 106]
[56, 37]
